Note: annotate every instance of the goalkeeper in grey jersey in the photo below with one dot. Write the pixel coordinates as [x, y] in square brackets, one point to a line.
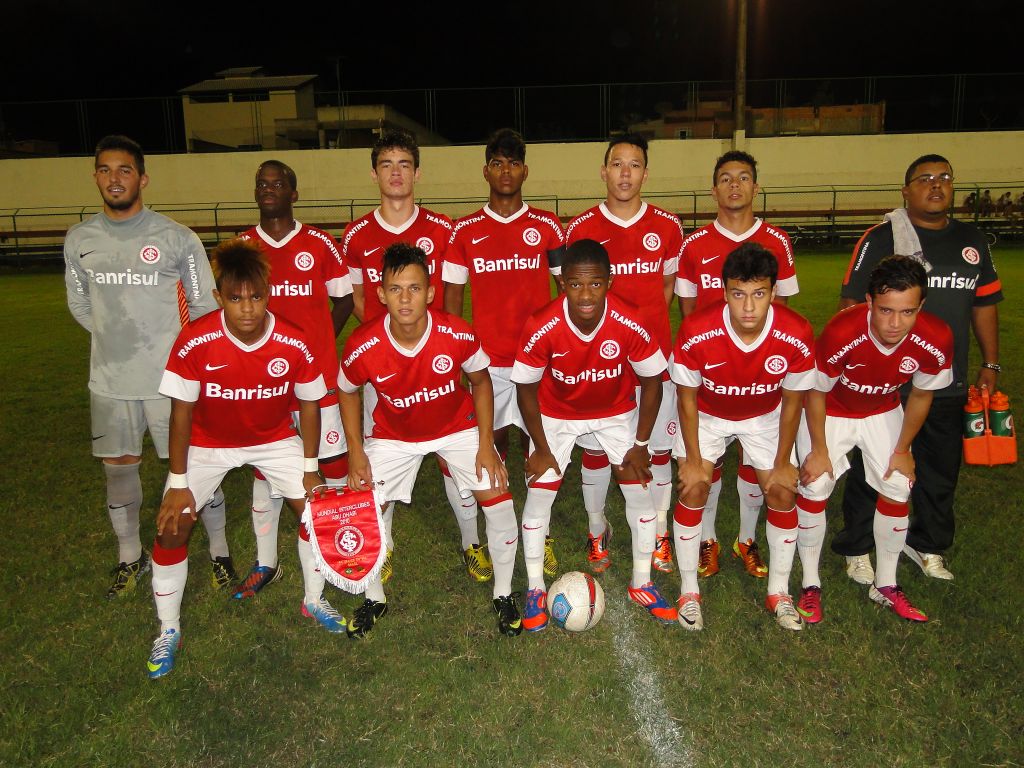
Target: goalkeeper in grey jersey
[134, 277]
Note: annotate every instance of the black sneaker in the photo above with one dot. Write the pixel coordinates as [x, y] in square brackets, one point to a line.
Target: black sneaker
[365, 617]
[127, 576]
[223, 572]
[509, 622]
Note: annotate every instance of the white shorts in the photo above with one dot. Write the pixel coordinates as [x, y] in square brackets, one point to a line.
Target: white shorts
[118, 425]
[280, 462]
[876, 437]
[613, 435]
[395, 463]
[759, 437]
[506, 404]
[666, 425]
[332, 434]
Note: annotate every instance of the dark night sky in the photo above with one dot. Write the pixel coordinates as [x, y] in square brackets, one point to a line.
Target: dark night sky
[69, 49]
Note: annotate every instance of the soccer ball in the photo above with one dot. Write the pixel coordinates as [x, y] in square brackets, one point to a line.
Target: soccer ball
[576, 601]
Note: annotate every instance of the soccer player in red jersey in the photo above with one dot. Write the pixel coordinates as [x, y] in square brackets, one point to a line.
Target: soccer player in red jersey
[643, 243]
[395, 167]
[742, 368]
[864, 355]
[507, 252]
[416, 357]
[576, 372]
[699, 284]
[233, 377]
[305, 269]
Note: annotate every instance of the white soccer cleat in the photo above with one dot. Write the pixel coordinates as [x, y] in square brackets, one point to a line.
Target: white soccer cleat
[859, 569]
[689, 613]
[932, 565]
[786, 615]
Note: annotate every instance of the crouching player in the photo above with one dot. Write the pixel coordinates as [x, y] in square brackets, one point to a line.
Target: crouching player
[576, 372]
[864, 355]
[741, 369]
[231, 377]
[415, 358]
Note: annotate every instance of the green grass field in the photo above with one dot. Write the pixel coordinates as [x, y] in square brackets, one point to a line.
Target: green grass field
[258, 685]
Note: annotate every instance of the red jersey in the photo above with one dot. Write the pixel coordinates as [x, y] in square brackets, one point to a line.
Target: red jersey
[305, 268]
[507, 263]
[863, 378]
[243, 394]
[367, 238]
[704, 253]
[740, 381]
[420, 395]
[643, 251]
[586, 377]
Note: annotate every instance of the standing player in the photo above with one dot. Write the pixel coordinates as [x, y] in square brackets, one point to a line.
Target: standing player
[643, 243]
[305, 269]
[134, 277]
[506, 251]
[233, 377]
[965, 290]
[576, 373]
[395, 161]
[864, 355]
[416, 357]
[734, 187]
[742, 369]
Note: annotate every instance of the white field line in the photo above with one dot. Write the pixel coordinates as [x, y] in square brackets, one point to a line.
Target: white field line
[671, 747]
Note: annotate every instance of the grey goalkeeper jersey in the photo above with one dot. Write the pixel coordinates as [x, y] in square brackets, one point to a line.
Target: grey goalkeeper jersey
[122, 284]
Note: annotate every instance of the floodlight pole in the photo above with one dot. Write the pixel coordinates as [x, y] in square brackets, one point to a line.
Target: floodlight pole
[740, 132]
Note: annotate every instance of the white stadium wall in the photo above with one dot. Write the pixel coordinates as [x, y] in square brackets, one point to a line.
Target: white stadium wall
[563, 170]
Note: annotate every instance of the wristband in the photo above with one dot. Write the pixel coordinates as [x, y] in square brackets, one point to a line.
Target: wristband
[993, 367]
[174, 480]
[900, 453]
[642, 443]
[311, 464]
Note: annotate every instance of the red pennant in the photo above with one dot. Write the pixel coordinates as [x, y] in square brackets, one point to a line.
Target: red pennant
[347, 536]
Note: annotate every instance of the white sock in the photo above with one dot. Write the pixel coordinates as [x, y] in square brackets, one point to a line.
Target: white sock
[215, 519]
[642, 521]
[312, 580]
[502, 541]
[781, 532]
[388, 517]
[686, 529]
[124, 499]
[465, 512]
[890, 536]
[661, 489]
[810, 537]
[375, 591]
[169, 586]
[595, 479]
[751, 498]
[536, 517]
[266, 515]
[711, 508]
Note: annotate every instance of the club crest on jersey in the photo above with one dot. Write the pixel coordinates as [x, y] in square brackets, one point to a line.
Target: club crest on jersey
[908, 365]
[776, 364]
[651, 241]
[442, 364]
[426, 245]
[333, 437]
[304, 261]
[277, 367]
[149, 254]
[672, 427]
[348, 540]
[971, 255]
[609, 350]
[531, 236]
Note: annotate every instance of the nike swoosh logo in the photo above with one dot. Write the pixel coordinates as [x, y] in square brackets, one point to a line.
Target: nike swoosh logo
[530, 528]
[855, 365]
[152, 667]
[691, 622]
[899, 530]
[807, 527]
[165, 594]
[382, 379]
[605, 241]
[97, 437]
[755, 495]
[662, 485]
[479, 239]
[688, 538]
[83, 255]
[372, 250]
[559, 354]
[648, 520]
[708, 261]
[116, 506]
[788, 541]
[215, 367]
[709, 366]
[508, 543]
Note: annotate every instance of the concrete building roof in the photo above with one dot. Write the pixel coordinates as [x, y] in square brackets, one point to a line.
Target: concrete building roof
[260, 83]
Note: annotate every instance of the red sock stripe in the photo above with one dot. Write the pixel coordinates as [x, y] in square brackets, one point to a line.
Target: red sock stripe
[892, 508]
[496, 500]
[782, 518]
[630, 482]
[171, 556]
[595, 460]
[716, 474]
[554, 485]
[746, 472]
[336, 467]
[687, 516]
[661, 458]
[257, 474]
[813, 506]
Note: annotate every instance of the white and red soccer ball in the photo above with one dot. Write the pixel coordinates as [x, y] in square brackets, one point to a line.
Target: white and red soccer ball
[576, 601]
